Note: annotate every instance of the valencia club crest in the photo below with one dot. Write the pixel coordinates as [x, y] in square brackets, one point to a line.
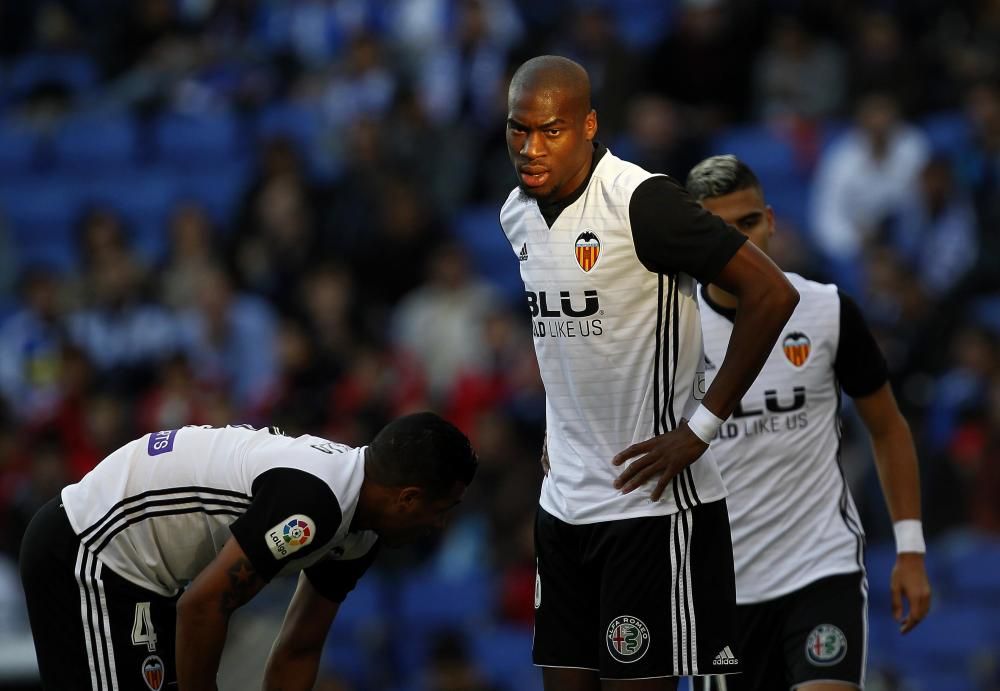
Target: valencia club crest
[588, 249]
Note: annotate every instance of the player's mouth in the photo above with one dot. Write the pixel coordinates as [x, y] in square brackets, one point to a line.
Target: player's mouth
[534, 177]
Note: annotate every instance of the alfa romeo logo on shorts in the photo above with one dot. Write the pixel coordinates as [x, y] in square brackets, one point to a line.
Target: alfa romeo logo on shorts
[628, 639]
[826, 645]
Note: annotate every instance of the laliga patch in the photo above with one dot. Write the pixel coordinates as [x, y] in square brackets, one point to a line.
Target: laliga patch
[628, 639]
[796, 346]
[291, 535]
[588, 250]
[826, 645]
[153, 672]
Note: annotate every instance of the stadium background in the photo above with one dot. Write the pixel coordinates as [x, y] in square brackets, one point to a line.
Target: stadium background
[273, 212]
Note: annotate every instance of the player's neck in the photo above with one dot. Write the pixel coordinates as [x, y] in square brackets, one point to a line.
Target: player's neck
[721, 297]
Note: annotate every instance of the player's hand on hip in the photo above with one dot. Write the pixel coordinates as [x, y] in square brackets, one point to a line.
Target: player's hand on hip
[661, 457]
[909, 583]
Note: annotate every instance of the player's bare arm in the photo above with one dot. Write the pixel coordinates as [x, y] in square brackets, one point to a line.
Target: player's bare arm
[294, 659]
[203, 612]
[766, 301]
[896, 462]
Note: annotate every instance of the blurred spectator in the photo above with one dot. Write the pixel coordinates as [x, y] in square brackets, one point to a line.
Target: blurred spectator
[361, 85]
[798, 75]
[660, 136]
[330, 306]
[230, 338]
[861, 180]
[44, 473]
[441, 322]
[298, 404]
[191, 252]
[881, 61]
[30, 343]
[704, 62]
[174, 401]
[935, 230]
[593, 40]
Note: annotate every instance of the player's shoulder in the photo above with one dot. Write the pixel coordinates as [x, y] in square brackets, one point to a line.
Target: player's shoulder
[620, 174]
[516, 200]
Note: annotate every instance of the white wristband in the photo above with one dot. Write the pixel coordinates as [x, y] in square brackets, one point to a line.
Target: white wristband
[909, 536]
[704, 424]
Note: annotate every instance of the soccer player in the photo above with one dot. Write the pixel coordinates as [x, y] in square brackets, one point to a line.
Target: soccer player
[134, 571]
[797, 540]
[635, 578]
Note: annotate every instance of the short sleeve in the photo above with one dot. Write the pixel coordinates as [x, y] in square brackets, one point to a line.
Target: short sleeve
[673, 233]
[335, 578]
[292, 514]
[860, 366]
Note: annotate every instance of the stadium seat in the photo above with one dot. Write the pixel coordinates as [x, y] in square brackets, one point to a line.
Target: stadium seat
[218, 188]
[41, 213]
[974, 570]
[504, 655]
[89, 144]
[760, 147]
[145, 200]
[189, 141]
[76, 73]
[948, 132]
[299, 123]
[357, 635]
[19, 150]
[478, 230]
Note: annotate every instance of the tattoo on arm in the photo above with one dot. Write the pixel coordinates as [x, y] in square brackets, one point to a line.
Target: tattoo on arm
[243, 584]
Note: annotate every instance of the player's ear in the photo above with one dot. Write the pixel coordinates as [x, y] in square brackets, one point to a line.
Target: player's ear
[409, 498]
[590, 125]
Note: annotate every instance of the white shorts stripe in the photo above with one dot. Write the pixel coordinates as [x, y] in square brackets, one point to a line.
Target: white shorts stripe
[81, 561]
[106, 621]
[689, 590]
[675, 629]
[90, 578]
[864, 629]
[679, 585]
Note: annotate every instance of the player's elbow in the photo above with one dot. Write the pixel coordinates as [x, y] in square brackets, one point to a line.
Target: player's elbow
[786, 297]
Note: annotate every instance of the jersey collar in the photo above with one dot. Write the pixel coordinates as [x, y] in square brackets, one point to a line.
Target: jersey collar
[551, 211]
[727, 312]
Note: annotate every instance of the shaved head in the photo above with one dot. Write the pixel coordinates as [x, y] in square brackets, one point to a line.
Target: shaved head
[553, 73]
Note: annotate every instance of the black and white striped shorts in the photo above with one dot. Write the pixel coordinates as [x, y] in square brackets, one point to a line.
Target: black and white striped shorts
[637, 598]
[93, 630]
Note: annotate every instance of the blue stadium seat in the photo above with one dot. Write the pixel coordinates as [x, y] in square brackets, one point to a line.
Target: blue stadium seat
[188, 141]
[974, 570]
[949, 133]
[19, 149]
[478, 230]
[760, 147]
[356, 637]
[41, 213]
[218, 188]
[879, 560]
[77, 73]
[299, 123]
[504, 655]
[145, 200]
[88, 144]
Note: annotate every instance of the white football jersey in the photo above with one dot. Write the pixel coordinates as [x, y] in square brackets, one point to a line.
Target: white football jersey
[618, 345]
[159, 509]
[792, 515]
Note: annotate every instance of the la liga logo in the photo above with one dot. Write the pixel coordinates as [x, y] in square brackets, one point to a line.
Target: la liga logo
[291, 535]
[297, 532]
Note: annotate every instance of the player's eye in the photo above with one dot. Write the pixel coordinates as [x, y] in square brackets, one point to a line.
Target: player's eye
[553, 133]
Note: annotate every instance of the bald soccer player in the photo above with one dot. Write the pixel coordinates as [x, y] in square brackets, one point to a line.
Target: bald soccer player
[635, 584]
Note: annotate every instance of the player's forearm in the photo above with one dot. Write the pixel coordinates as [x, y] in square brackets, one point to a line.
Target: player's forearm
[896, 462]
[201, 635]
[760, 316]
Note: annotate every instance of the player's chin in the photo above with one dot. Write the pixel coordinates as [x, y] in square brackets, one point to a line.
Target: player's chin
[539, 193]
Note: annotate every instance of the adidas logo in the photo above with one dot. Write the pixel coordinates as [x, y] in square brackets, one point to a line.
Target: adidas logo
[725, 657]
[523, 254]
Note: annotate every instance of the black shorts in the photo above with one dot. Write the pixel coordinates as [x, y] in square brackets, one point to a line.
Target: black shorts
[817, 633]
[93, 630]
[637, 598]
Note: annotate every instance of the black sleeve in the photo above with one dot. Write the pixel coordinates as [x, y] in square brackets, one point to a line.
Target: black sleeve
[292, 514]
[335, 578]
[673, 233]
[860, 366]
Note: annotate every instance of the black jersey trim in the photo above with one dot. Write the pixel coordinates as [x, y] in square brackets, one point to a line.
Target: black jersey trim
[174, 502]
[188, 489]
[849, 521]
[210, 511]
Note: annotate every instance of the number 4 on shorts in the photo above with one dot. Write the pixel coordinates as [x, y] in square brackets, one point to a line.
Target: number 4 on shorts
[142, 628]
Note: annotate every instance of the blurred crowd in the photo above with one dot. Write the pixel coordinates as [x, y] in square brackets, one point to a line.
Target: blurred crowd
[352, 268]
